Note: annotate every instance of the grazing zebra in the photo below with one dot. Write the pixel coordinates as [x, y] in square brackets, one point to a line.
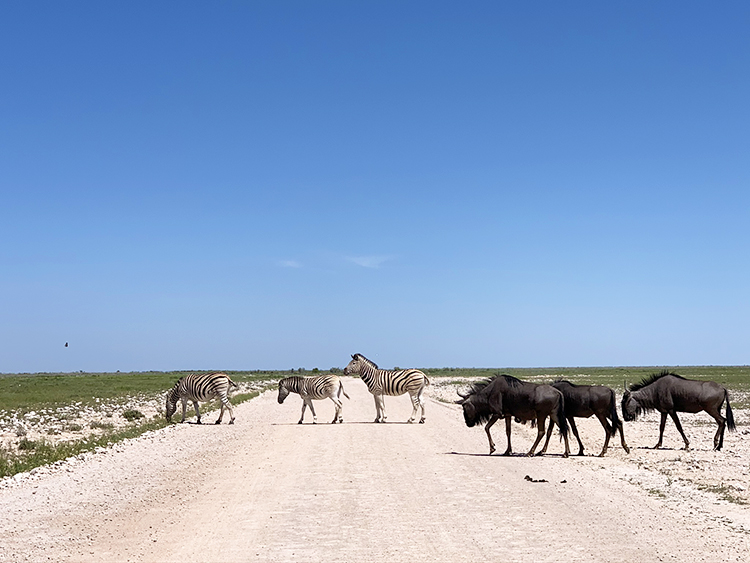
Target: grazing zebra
[386, 382]
[200, 387]
[317, 387]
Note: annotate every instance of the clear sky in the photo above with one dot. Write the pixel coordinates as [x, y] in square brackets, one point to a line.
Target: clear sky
[273, 185]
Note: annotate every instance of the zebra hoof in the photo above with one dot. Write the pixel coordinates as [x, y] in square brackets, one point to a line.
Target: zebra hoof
[217, 422]
[421, 421]
[231, 421]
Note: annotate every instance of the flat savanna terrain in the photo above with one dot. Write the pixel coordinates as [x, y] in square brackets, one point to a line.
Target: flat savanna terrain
[268, 489]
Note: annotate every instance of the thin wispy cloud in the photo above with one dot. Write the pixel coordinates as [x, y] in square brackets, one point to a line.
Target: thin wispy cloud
[369, 261]
[290, 264]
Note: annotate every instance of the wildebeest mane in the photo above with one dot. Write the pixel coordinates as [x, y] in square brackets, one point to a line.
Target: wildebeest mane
[509, 379]
[646, 381]
[564, 381]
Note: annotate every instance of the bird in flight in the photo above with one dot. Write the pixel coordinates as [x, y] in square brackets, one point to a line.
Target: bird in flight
[66, 344]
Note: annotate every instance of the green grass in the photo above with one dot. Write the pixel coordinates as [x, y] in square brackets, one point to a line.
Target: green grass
[28, 392]
[38, 452]
[35, 453]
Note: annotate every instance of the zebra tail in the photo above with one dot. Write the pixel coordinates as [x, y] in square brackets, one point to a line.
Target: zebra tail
[341, 386]
[232, 383]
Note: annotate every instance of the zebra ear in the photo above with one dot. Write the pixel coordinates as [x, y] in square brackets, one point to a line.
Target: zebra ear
[353, 356]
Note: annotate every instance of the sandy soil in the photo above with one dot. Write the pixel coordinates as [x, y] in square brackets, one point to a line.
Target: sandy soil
[269, 490]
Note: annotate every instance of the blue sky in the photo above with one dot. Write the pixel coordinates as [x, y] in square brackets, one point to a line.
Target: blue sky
[268, 185]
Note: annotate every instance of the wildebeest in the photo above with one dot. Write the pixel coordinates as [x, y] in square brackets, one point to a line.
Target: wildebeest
[669, 393]
[504, 396]
[582, 401]
[317, 387]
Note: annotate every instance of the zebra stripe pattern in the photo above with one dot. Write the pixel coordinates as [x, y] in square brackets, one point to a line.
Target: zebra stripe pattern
[200, 387]
[390, 382]
[317, 387]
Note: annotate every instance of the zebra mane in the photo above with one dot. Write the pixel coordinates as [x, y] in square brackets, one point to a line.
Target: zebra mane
[646, 381]
[365, 360]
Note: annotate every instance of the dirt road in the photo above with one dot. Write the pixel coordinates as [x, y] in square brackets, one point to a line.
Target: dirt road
[269, 490]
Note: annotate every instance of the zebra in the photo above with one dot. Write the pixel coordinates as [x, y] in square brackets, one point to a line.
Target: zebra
[317, 387]
[200, 387]
[386, 382]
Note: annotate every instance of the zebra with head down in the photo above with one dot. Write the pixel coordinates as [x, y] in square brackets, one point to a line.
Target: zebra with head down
[317, 387]
[390, 382]
[200, 387]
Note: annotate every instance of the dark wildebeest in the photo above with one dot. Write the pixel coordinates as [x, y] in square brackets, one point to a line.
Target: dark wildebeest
[504, 396]
[669, 394]
[582, 401]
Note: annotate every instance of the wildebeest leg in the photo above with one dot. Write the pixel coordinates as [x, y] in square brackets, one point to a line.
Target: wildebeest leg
[673, 414]
[607, 431]
[622, 437]
[508, 450]
[487, 427]
[573, 427]
[539, 434]
[662, 424]
[197, 412]
[549, 435]
[722, 422]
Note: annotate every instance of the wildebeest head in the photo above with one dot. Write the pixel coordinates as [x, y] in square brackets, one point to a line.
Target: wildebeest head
[475, 406]
[283, 391]
[630, 407]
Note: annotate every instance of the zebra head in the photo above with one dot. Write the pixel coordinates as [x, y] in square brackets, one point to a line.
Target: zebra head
[283, 391]
[357, 364]
[171, 404]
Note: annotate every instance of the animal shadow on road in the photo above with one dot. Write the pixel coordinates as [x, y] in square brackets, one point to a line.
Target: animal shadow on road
[500, 456]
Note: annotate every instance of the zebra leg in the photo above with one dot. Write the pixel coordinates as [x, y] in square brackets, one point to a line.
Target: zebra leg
[337, 415]
[231, 412]
[304, 406]
[312, 409]
[379, 408]
[197, 412]
[221, 414]
[422, 404]
[415, 406]
[184, 409]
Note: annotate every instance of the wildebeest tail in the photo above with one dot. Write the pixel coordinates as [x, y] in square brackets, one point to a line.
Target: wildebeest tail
[613, 414]
[730, 414]
[562, 420]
